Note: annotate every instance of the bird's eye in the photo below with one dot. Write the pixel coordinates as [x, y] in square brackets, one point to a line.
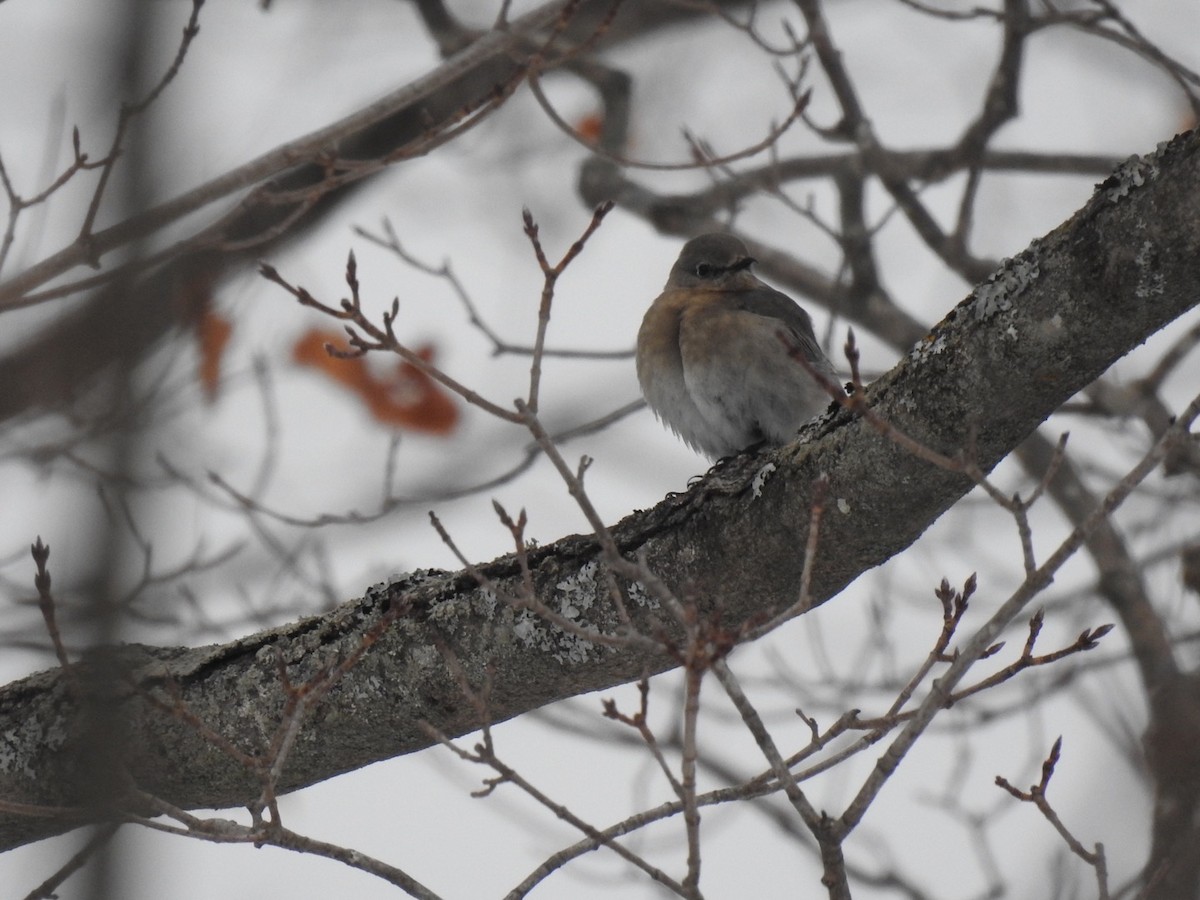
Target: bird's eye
[704, 270]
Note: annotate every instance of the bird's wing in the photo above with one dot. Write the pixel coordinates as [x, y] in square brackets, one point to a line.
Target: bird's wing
[772, 304]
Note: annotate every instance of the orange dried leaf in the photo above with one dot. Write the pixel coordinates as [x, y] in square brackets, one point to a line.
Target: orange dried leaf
[212, 335]
[409, 399]
[417, 401]
[309, 350]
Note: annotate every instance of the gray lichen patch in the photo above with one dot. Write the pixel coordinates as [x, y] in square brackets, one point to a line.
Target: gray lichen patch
[450, 613]
[48, 734]
[929, 346]
[572, 598]
[1130, 175]
[639, 596]
[1150, 279]
[1006, 284]
[760, 479]
[578, 591]
[536, 633]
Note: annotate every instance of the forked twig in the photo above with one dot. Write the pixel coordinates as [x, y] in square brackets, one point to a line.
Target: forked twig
[1037, 796]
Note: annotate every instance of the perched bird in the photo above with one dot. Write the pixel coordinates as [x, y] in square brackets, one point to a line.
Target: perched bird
[716, 353]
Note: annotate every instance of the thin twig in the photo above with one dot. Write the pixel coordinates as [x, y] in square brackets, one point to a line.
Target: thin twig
[41, 581]
[1037, 796]
[550, 276]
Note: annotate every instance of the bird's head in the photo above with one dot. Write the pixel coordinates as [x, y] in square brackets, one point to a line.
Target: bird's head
[718, 261]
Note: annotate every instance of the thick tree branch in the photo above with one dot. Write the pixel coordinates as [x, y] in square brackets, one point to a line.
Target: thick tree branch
[1043, 327]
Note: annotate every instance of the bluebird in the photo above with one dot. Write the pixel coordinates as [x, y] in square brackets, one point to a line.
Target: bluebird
[716, 353]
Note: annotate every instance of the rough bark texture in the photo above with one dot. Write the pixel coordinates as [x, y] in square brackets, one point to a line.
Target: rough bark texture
[1043, 327]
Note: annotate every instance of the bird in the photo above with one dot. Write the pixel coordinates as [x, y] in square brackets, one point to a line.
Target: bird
[717, 353]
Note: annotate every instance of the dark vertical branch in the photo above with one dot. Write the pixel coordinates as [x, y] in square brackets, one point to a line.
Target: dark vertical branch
[102, 748]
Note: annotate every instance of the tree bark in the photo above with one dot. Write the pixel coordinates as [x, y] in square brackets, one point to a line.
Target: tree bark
[1040, 329]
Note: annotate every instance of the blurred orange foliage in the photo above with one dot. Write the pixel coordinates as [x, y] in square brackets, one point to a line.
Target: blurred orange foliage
[590, 127]
[409, 399]
[212, 334]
